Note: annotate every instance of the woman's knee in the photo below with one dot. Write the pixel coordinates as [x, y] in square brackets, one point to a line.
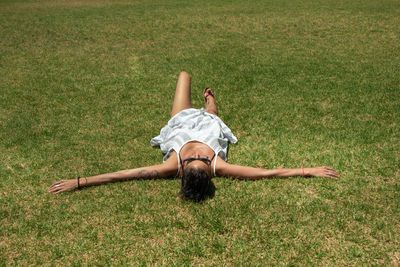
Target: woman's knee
[184, 75]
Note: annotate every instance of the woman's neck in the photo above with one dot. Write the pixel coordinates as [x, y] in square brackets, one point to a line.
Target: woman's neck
[196, 149]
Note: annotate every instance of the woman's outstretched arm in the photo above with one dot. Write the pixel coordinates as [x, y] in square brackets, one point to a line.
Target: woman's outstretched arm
[243, 172]
[164, 170]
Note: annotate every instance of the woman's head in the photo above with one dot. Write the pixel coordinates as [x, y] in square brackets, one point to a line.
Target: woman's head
[196, 184]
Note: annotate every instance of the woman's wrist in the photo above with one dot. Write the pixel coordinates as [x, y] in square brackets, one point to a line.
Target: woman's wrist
[306, 172]
[78, 185]
[80, 182]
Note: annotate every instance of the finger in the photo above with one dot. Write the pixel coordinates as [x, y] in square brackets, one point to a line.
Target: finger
[52, 187]
[55, 189]
[334, 171]
[59, 190]
[334, 174]
[56, 183]
[326, 173]
[52, 190]
[330, 169]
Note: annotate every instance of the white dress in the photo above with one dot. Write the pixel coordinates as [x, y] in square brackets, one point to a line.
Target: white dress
[194, 125]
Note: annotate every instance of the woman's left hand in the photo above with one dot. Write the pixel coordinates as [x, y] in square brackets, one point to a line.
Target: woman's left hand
[63, 186]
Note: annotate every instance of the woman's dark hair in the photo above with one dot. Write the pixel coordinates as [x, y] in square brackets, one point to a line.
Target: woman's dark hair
[196, 185]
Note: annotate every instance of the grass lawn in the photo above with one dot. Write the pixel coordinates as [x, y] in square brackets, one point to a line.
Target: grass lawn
[85, 85]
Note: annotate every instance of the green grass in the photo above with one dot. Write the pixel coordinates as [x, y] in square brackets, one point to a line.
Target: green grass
[85, 85]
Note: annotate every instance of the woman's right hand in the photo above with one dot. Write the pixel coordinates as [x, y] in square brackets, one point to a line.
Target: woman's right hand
[323, 171]
[63, 186]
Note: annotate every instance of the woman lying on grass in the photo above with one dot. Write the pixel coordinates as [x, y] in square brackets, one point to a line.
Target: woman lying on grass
[194, 144]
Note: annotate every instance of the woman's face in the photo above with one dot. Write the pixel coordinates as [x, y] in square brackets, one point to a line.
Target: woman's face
[196, 164]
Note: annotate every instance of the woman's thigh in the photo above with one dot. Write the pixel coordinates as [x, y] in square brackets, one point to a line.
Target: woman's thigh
[182, 94]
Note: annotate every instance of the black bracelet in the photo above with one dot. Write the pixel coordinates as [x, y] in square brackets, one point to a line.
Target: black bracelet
[79, 186]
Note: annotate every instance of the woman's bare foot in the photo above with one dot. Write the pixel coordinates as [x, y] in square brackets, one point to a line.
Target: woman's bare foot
[209, 101]
[206, 93]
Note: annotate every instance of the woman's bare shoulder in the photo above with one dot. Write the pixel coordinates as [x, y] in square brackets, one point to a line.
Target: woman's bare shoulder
[172, 156]
[172, 160]
[170, 166]
[220, 165]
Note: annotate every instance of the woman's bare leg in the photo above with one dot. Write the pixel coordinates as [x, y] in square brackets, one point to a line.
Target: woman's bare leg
[209, 102]
[182, 94]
